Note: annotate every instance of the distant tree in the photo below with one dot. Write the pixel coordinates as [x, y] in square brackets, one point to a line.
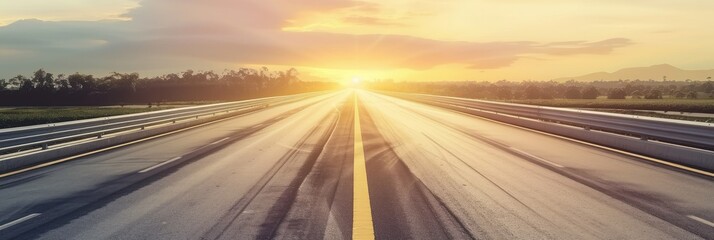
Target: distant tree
[629, 88]
[532, 92]
[172, 77]
[707, 86]
[590, 92]
[654, 94]
[547, 92]
[504, 92]
[14, 83]
[678, 94]
[75, 81]
[43, 81]
[692, 95]
[618, 93]
[25, 85]
[636, 94]
[126, 83]
[572, 92]
[63, 83]
[44, 88]
[187, 75]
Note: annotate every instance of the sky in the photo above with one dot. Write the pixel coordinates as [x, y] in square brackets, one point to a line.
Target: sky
[341, 40]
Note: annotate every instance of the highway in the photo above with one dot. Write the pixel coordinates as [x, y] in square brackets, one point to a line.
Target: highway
[355, 164]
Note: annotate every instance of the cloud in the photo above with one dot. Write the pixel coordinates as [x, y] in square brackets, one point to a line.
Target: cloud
[234, 14]
[492, 63]
[86, 10]
[374, 21]
[179, 34]
[580, 47]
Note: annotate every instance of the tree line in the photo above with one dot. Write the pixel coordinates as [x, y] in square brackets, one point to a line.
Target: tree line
[46, 89]
[508, 90]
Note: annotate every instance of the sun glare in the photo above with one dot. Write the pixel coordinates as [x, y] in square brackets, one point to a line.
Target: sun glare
[356, 80]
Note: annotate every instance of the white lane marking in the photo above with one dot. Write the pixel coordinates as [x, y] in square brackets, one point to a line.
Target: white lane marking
[536, 157]
[159, 165]
[701, 220]
[22, 219]
[216, 142]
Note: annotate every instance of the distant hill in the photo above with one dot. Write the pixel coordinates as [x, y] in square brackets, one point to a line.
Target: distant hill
[655, 72]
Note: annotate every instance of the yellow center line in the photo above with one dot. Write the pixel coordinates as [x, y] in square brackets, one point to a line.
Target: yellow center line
[362, 226]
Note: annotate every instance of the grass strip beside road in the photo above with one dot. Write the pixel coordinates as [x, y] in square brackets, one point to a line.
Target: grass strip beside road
[659, 115]
[25, 116]
[668, 104]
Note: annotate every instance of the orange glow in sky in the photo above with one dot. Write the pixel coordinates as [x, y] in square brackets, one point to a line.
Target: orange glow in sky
[422, 40]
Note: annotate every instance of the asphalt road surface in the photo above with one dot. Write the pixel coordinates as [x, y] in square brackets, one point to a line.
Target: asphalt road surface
[356, 164]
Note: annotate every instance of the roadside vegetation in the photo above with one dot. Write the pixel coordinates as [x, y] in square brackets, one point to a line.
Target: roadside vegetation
[665, 95]
[46, 89]
[680, 116]
[43, 97]
[666, 104]
[24, 116]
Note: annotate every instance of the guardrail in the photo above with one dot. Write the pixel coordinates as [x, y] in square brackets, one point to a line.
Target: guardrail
[691, 134]
[43, 136]
[548, 120]
[125, 133]
[12, 134]
[44, 144]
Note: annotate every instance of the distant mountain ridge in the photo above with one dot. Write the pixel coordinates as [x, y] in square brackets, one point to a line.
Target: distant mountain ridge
[654, 72]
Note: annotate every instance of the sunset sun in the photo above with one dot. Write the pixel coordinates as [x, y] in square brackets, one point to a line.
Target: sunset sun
[356, 80]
